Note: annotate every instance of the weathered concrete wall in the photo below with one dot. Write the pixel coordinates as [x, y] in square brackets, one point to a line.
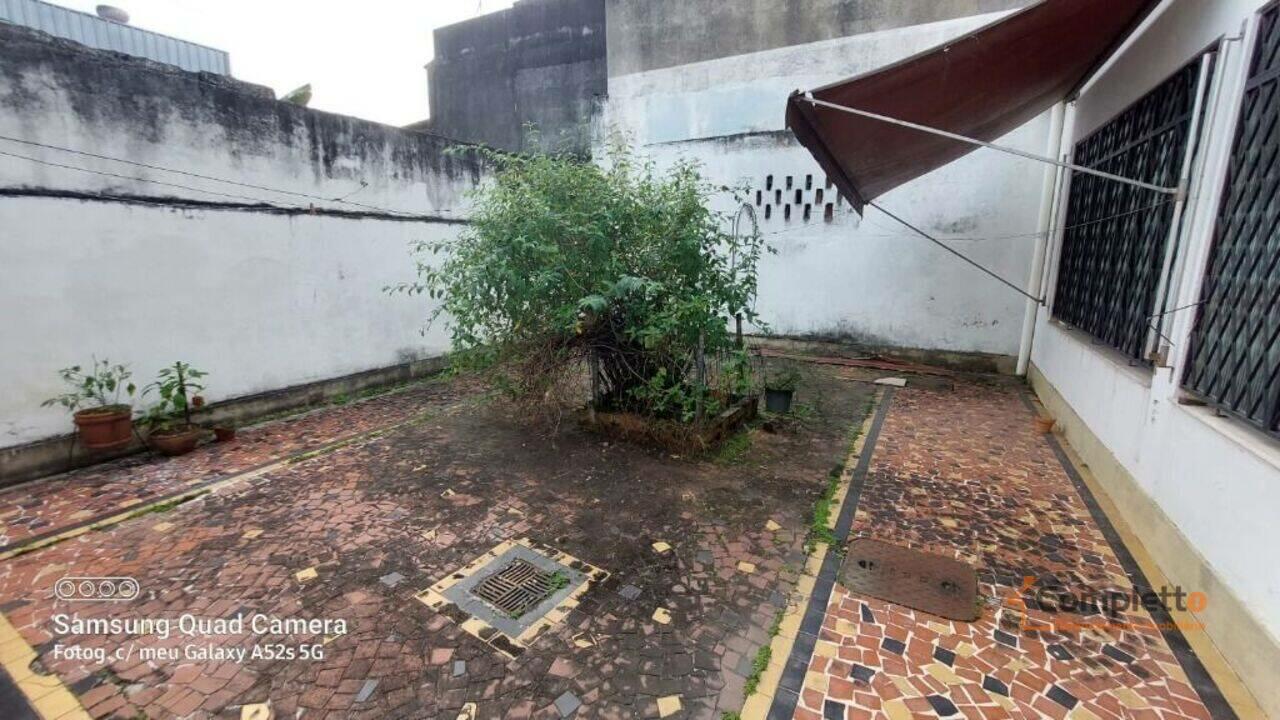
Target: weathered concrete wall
[266, 284]
[663, 33]
[539, 63]
[868, 279]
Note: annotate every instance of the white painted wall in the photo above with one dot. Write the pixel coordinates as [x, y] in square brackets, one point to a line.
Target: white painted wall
[260, 301]
[866, 278]
[1217, 480]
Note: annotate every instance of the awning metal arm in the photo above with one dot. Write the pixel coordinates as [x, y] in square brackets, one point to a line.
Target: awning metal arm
[981, 143]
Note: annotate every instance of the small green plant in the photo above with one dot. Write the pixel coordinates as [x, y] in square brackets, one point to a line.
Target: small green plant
[179, 388]
[783, 379]
[758, 666]
[98, 388]
[558, 580]
[730, 715]
[735, 449]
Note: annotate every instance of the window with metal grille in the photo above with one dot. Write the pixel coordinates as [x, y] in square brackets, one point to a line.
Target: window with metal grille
[1234, 357]
[1114, 243]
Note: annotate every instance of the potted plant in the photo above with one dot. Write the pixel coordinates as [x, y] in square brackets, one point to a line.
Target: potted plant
[169, 420]
[102, 421]
[224, 432]
[778, 390]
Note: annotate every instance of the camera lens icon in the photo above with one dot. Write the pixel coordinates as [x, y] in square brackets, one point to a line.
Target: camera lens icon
[100, 589]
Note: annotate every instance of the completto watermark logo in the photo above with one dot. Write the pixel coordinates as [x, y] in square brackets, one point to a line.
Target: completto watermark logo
[1110, 605]
[96, 589]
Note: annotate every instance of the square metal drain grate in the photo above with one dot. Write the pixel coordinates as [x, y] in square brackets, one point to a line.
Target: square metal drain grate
[517, 588]
[512, 594]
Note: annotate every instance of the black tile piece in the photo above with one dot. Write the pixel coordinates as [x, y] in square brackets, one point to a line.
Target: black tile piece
[862, 673]
[942, 706]
[1062, 697]
[894, 646]
[944, 656]
[993, 685]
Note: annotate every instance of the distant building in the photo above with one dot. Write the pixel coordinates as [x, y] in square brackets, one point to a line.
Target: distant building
[103, 34]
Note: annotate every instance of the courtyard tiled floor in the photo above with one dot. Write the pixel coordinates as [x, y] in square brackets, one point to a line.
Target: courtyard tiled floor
[962, 472]
[702, 554]
[358, 532]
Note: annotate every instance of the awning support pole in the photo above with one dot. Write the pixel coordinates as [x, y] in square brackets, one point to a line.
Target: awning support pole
[982, 143]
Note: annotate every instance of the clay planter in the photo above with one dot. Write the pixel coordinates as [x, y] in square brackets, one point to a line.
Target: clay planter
[105, 428]
[778, 401]
[223, 433]
[176, 441]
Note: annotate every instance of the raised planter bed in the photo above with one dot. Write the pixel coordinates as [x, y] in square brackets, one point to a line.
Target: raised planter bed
[670, 434]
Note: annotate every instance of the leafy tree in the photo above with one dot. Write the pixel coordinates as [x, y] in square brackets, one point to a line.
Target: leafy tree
[620, 264]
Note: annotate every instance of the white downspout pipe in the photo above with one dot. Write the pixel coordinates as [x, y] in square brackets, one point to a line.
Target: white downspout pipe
[1048, 185]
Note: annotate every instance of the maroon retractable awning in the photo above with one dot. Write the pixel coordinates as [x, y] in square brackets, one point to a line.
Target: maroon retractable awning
[981, 85]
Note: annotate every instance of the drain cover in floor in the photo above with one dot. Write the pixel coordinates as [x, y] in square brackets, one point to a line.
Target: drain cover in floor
[513, 593]
[931, 583]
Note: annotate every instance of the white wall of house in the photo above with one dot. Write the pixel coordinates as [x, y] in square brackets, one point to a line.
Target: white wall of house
[261, 301]
[1215, 480]
[867, 278]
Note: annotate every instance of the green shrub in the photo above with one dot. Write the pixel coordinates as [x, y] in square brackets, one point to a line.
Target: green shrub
[566, 260]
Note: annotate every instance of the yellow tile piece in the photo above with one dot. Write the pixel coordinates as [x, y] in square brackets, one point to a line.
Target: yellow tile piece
[129, 503]
[747, 567]
[825, 649]
[56, 704]
[1130, 699]
[942, 674]
[661, 547]
[669, 705]
[662, 615]
[305, 575]
[772, 526]
[251, 534]
[965, 649]
[939, 628]
[897, 710]
[162, 526]
[468, 712]
[904, 687]
[816, 681]
[256, 711]
[1082, 713]
[756, 707]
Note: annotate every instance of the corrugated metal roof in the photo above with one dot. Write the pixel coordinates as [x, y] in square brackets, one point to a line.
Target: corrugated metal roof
[106, 35]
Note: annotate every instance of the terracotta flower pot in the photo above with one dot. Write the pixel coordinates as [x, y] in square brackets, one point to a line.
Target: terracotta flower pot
[175, 441]
[104, 428]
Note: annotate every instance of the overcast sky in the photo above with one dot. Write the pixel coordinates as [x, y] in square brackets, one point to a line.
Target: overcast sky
[362, 57]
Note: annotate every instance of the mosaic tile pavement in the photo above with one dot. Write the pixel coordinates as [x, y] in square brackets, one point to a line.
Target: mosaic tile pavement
[962, 472]
[701, 554]
[47, 506]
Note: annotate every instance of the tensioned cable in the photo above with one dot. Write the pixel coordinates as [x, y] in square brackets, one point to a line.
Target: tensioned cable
[944, 246]
[138, 179]
[194, 175]
[254, 204]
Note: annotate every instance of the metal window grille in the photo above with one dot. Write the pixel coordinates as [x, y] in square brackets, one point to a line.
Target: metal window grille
[1234, 356]
[1114, 246]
